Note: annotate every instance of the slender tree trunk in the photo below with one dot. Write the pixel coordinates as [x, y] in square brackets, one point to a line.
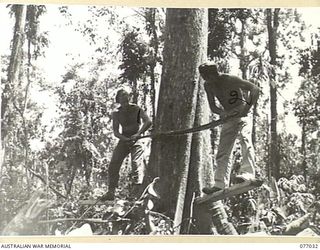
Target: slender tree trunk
[303, 150]
[212, 21]
[13, 71]
[153, 93]
[243, 61]
[135, 91]
[254, 124]
[155, 44]
[70, 179]
[244, 70]
[272, 25]
[16, 56]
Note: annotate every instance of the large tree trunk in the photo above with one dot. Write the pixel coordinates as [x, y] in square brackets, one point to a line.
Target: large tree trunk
[273, 24]
[183, 163]
[184, 51]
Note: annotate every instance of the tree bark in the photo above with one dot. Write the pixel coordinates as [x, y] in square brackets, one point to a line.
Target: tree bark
[184, 51]
[272, 25]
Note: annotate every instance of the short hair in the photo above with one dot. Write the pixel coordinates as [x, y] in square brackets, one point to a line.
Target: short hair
[120, 92]
[208, 69]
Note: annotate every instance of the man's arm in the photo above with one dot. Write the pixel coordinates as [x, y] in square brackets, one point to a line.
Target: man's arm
[211, 100]
[115, 126]
[253, 94]
[145, 126]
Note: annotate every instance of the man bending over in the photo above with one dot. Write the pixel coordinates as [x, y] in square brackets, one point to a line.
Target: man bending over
[236, 97]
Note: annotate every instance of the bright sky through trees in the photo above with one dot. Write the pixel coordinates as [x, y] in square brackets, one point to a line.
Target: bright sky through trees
[67, 45]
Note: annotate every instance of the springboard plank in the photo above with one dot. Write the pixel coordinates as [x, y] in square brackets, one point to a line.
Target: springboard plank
[231, 191]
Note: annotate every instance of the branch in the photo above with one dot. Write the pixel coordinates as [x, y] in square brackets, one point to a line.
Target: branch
[18, 109]
[44, 181]
[94, 202]
[160, 215]
[235, 53]
[84, 220]
[140, 13]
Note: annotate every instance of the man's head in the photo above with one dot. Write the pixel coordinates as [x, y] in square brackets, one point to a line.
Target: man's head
[208, 71]
[122, 97]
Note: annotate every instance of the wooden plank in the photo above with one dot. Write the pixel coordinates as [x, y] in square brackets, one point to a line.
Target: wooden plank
[231, 191]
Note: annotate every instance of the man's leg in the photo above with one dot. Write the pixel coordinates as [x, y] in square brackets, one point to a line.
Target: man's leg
[228, 135]
[138, 167]
[120, 152]
[247, 150]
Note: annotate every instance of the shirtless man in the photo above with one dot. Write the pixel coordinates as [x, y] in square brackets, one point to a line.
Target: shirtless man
[129, 117]
[236, 97]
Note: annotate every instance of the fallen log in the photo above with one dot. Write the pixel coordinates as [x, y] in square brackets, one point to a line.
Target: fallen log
[307, 232]
[297, 225]
[231, 191]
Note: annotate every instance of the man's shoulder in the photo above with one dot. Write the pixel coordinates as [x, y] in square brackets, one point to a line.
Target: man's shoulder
[231, 79]
[228, 76]
[134, 106]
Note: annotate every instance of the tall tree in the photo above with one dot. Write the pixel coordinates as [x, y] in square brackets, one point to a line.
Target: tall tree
[183, 53]
[34, 39]
[8, 103]
[14, 65]
[183, 163]
[248, 30]
[151, 15]
[272, 16]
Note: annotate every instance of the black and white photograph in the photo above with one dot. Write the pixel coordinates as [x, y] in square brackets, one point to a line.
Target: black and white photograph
[119, 120]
